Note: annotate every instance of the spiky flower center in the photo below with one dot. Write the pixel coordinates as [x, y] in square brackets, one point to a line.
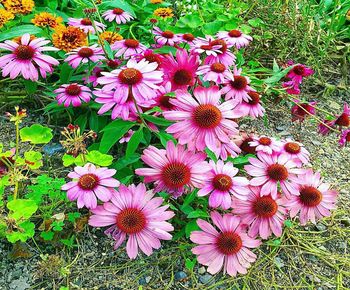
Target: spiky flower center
[176, 175]
[265, 141]
[151, 57]
[292, 147]
[222, 182]
[118, 11]
[86, 21]
[220, 42]
[188, 37]
[182, 77]
[73, 90]
[265, 207]
[24, 52]
[246, 147]
[130, 76]
[277, 172]
[254, 98]
[310, 196]
[347, 137]
[88, 181]
[207, 116]
[218, 67]
[229, 243]
[239, 83]
[132, 43]
[168, 34]
[131, 221]
[343, 120]
[206, 47]
[164, 102]
[235, 33]
[299, 70]
[113, 63]
[85, 52]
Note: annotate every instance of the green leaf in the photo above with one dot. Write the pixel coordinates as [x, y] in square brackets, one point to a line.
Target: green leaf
[157, 121]
[165, 50]
[241, 160]
[99, 158]
[212, 27]
[134, 142]
[125, 161]
[36, 134]
[47, 236]
[277, 76]
[93, 121]
[192, 20]
[190, 263]
[198, 213]
[25, 231]
[68, 160]
[112, 135]
[65, 73]
[22, 208]
[288, 223]
[256, 22]
[19, 31]
[33, 159]
[31, 86]
[108, 49]
[81, 121]
[190, 227]
[211, 154]
[119, 4]
[57, 226]
[165, 137]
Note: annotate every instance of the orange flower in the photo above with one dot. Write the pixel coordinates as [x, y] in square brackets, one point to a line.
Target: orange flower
[110, 37]
[44, 19]
[163, 12]
[5, 16]
[19, 6]
[68, 38]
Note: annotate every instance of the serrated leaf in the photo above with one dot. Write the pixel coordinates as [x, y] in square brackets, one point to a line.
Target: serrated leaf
[22, 208]
[99, 158]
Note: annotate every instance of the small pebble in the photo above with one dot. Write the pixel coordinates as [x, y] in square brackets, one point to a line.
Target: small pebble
[201, 270]
[180, 275]
[206, 279]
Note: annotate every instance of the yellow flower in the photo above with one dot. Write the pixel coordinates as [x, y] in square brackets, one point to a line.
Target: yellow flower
[19, 6]
[110, 36]
[68, 38]
[163, 12]
[44, 19]
[156, 1]
[5, 16]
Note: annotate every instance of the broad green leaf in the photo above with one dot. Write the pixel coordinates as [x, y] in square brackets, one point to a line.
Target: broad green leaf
[134, 142]
[190, 20]
[277, 76]
[99, 158]
[22, 208]
[190, 227]
[165, 50]
[33, 159]
[197, 214]
[212, 27]
[68, 160]
[19, 31]
[165, 137]
[125, 161]
[36, 134]
[31, 86]
[157, 121]
[119, 4]
[47, 236]
[25, 232]
[111, 136]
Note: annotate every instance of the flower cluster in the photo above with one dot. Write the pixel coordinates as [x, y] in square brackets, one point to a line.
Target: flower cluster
[202, 92]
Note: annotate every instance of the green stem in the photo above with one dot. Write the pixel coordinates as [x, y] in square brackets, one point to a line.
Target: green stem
[130, 30]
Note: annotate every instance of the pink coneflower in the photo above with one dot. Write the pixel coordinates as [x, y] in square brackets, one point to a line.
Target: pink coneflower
[243, 141]
[344, 137]
[163, 98]
[237, 88]
[128, 47]
[118, 15]
[226, 248]
[265, 144]
[95, 74]
[325, 127]
[186, 38]
[229, 149]
[181, 72]
[139, 78]
[121, 108]
[203, 121]
[216, 72]
[296, 151]
[221, 182]
[262, 213]
[134, 214]
[174, 169]
[26, 58]
[85, 24]
[252, 108]
[270, 170]
[342, 120]
[225, 56]
[204, 46]
[235, 38]
[301, 110]
[291, 87]
[150, 56]
[84, 55]
[166, 37]
[72, 94]
[315, 199]
[298, 72]
[90, 182]
[127, 136]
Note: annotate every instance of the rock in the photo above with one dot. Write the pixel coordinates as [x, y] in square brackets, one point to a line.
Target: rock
[321, 227]
[51, 149]
[279, 262]
[19, 284]
[201, 270]
[281, 128]
[180, 275]
[206, 279]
